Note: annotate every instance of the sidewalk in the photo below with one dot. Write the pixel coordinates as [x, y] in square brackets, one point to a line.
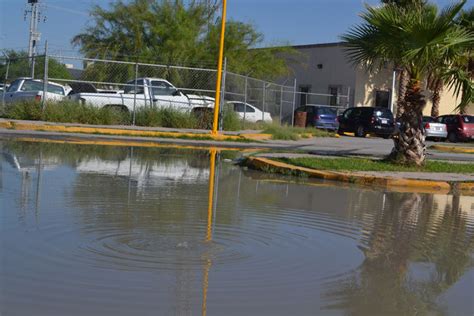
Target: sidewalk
[344, 146]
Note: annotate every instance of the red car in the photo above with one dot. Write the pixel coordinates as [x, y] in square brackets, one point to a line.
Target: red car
[460, 127]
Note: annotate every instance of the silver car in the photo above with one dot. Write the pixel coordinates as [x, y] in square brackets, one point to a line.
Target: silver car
[433, 129]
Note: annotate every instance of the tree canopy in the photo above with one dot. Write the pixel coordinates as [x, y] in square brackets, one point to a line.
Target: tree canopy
[176, 33]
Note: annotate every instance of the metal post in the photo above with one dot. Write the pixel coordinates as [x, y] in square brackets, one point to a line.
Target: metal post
[348, 97]
[281, 104]
[219, 69]
[245, 100]
[294, 101]
[135, 95]
[263, 101]
[5, 84]
[221, 105]
[45, 78]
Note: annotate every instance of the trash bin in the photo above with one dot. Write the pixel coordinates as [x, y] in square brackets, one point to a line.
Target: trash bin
[300, 119]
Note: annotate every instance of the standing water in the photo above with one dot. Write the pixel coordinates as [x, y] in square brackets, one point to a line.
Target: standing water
[88, 230]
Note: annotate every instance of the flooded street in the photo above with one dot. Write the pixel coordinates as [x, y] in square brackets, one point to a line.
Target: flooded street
[102, 230]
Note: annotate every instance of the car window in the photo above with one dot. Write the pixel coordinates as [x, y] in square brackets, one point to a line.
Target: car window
[249, 109]
[349, 114]
[440, 119]
[162, 88]
[14, 86]
[428, 119]
[468, 119]
[385, 113]
[30, 85]
[55, 89]
[130, 87]
[327, 111]
[239, 107]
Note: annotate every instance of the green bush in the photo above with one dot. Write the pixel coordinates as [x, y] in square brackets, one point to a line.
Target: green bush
[164, 117]
[66, 112]
[230, 120]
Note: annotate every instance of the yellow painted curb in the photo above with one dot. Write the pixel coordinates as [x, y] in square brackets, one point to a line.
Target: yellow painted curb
[120, 143]
[431, 186]
[125, 132]
[453, 149]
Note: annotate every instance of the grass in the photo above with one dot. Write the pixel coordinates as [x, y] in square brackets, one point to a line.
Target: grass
[294, 133]
[65, 112]
[360, 164]
[73, 112]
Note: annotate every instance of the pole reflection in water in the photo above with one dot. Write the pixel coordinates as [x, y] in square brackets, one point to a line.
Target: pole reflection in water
[212, 205]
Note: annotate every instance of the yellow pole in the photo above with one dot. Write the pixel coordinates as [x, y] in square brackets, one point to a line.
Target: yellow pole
[210, 204]
[219, 71]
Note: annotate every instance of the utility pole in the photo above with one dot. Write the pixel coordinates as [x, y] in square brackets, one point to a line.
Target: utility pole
[34, 36]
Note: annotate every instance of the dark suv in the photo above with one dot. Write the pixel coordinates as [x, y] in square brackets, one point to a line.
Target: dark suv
[460, 127]
[319, 116]
[367, 120]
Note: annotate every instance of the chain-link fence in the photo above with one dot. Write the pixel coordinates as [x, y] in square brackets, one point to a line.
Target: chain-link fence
[133, 85]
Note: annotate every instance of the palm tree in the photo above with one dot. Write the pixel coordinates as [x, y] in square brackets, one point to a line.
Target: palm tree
[416, 39]
[466, 21]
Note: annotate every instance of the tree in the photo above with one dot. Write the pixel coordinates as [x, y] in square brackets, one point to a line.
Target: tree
[175, 33]
[19, 66]
[416, 39]
[466, 21]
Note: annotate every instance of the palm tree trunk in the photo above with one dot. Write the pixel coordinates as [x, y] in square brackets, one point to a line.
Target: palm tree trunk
[409, 143]
[402, 90]
[436, 97]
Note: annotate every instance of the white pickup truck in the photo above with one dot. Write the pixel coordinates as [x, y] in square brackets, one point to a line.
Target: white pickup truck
[22, 89]
[145, 92]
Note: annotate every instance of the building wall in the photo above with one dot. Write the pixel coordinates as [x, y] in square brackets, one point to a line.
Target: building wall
[321, 66]
[367, 84]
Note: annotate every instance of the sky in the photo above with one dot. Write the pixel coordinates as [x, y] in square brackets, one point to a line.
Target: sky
[295, 22]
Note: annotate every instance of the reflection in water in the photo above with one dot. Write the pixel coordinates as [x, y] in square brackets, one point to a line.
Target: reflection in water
[120, 231]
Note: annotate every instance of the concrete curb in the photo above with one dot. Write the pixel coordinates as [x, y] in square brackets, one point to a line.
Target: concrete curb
[71, 128]
[404, 185]
[453, 149]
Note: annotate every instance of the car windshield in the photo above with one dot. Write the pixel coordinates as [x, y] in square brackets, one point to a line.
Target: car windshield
[428, 119]
[468, 119]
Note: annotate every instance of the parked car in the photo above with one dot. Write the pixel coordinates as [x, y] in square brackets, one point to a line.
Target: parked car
[149, 91]
[319, 116]
[250, 112]
[32, 89]
[434, 129]
[367, 120]
[460, 127]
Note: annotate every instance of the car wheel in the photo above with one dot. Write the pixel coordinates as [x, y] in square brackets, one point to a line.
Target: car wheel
[452, 138]
[360, 131]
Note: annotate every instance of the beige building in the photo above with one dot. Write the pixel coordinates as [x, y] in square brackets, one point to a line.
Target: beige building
[324, 71]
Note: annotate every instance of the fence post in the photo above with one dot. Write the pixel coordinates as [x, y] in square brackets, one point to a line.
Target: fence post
[294, 101]
[245, 100]
[45, 79]
[5, 84]
[135, 95]
[221, 105]
[281, 104]
[263, 101]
